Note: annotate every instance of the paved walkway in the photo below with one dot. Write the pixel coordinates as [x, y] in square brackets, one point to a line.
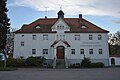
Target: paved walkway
[61, 74]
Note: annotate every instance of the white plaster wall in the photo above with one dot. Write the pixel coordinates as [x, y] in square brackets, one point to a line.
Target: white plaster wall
[39, 44]
[86, 44]
[83, 43]
[117, 60]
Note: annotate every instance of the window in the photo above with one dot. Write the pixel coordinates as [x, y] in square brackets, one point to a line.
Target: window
[60, 26]
[90, 37]
[99, 37]
[90, 51]
[57, 37]
[45, 37]
[45, 51]
[83, 27]
[72, 51]
[81, 51]
[77, 37]
[100, 51]
[34, 37]
[22, 35]
[63, 37]
[60, 37]
[33, 51]
[37, 27]
[22, 43]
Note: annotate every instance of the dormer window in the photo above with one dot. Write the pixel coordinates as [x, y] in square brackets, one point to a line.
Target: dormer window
[60, 26]
[83, 27]
[37, 27]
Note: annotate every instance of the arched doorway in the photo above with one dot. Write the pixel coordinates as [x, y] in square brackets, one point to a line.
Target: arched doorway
[60, 52]
[112, 61]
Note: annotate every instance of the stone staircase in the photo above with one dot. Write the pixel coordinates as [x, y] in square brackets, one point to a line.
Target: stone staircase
[60, 63]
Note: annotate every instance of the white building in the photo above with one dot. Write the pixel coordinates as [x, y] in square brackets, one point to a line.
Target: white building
[67, 39]
[114, 60]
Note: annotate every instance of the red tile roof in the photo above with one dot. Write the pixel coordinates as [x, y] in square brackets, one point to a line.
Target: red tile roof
[115, 55]
[74, 23]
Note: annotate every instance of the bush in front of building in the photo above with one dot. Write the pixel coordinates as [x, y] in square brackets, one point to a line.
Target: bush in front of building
[35, 61]
[1, 63]
[76, 65]
[12, 62]
[97, 65]
[86, 62]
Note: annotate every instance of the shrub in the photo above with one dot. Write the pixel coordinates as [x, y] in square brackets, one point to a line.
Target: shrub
[76, 65]
[85, 62]
[1, 63]
[97, 65]
[11, 62]
[34, 61]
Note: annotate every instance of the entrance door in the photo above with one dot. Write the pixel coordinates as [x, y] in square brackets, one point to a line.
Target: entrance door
[60, 52]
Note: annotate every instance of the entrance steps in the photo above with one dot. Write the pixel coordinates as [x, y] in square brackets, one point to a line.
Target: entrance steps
[60, 63]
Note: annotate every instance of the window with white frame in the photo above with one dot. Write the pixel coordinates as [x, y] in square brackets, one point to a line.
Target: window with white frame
[90, 37]
[22, 43]
[77, 37]
[90, 51]
[81, 51]
[45, 37]
[100, 51]
[99, 37]
[34, 37]
[60, 37]
[72, 51]
[33, 51]
[63, 37]
[45, 51]
[60, 27]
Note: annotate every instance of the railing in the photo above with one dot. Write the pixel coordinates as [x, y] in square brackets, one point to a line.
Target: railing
[54, 62]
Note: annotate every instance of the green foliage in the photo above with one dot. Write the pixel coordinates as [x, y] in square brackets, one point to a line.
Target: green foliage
[115, 49]
[35, 61]
[76, 65]
[97, 65]
[85, 62]
[11, 62]
[4, 24]
[1, 63]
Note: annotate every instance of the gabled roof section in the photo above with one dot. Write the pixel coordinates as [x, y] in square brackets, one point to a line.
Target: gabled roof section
[60, 21]
[65, 42]
[75, 25]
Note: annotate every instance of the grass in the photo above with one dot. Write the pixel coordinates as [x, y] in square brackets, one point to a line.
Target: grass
[7, 69]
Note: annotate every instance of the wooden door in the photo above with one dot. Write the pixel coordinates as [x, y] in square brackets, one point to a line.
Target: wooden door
[60, 52]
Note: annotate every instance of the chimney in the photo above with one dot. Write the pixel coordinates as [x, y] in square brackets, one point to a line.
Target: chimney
[80, 18]
[45, 17]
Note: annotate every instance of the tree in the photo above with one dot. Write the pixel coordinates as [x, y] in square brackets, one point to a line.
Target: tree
[4, 26]
[114, 39]
[114, 42]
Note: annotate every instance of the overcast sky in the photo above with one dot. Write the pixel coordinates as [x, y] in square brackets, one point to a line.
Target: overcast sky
[104, 13]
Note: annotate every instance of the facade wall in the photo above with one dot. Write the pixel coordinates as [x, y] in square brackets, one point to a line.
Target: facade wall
[84, 43]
